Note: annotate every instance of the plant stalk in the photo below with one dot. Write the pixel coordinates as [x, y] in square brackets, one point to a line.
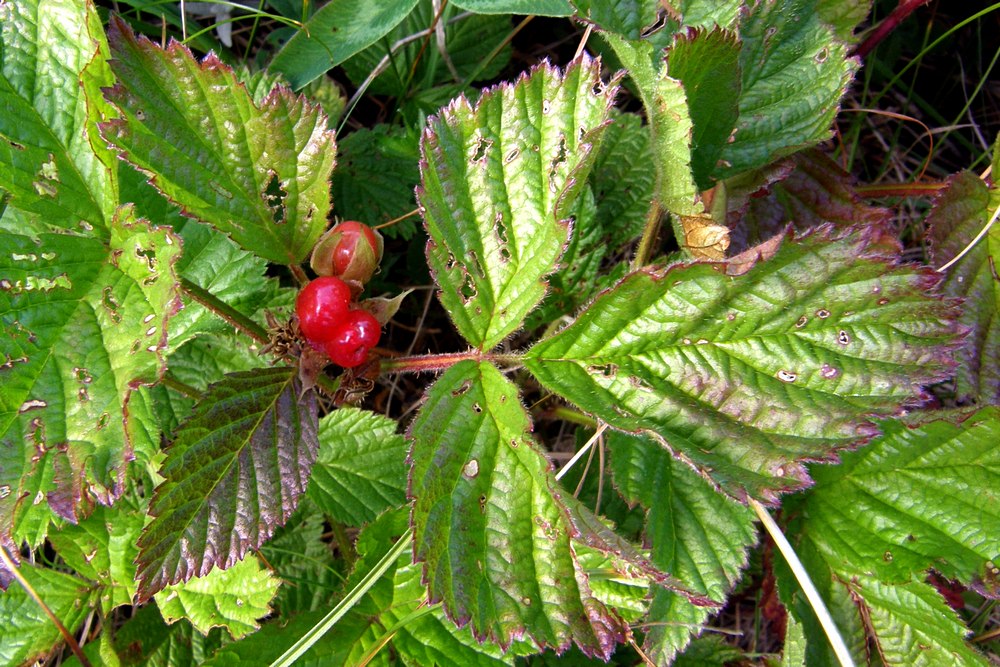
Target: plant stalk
[26, 585]
[225, 311]
[812, 595]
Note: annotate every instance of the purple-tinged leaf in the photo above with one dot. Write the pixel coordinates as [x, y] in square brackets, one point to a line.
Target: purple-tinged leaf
[258, 173]
[960, 213]
[748, 369]
[234, 474]
[495, 541]
[806, 190]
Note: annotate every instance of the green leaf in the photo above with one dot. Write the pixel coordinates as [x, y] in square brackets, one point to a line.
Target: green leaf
[622, 180]
[631, 19]
[28, 634]
[707, 65]
[806, 190]
[498, 183]
[375, 178]
[747, 372]
[794, 74]
[529, 7]
[300, 556]
[709, 13]
[259, 174]
[793, 653]
[336, 32]
[83, 325]
[145, 639]
[234, 473]
[874, 513]
[843, 17]
[911, 625]
[431, 638]
[960, 213]
[102, 549]
[233, 598]
[874, 525]
[669, 122]
[361, 468]
[213, 262]
[696, 533]
[494, 540]
[52, 65]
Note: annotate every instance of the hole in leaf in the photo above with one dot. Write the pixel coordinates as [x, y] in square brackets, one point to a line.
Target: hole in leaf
[511, 156]
[274, 196]
[482, 146]
[477, 408]
[111, 305]
[802, 322]
[843, 337]
[607, 370]
[148, 255]
[655, 26]
[822, 313]
[471, 469]
[462, 389]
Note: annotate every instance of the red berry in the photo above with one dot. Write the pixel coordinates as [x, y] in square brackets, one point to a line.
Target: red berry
[354, 335]
[351, 251]
[321, 305]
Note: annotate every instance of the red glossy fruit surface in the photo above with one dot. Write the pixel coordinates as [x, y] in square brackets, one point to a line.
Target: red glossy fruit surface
[353, 336]
[321, 306]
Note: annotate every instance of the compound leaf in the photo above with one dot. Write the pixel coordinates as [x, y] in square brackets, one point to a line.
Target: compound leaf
[498, 181]
[748, 375]
[336, 32]
[494, 540]
[258, 173]
[361, 468]
[695, 532]
[234, 473]
[234, 598]
[84, 324]
[960, 213]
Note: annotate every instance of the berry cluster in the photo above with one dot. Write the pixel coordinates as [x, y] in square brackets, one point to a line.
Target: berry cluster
[345, 258]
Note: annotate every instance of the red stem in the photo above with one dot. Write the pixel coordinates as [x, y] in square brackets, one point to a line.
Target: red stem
[890, 23]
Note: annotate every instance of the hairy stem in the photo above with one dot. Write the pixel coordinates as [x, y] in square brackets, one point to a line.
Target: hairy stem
[439, 362]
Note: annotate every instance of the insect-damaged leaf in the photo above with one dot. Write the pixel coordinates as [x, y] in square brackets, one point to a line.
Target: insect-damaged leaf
[748, 375]
[497, 183]
[83, 326]
[494, 540]
[53, 60]
[233, 475]
[260, 174]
